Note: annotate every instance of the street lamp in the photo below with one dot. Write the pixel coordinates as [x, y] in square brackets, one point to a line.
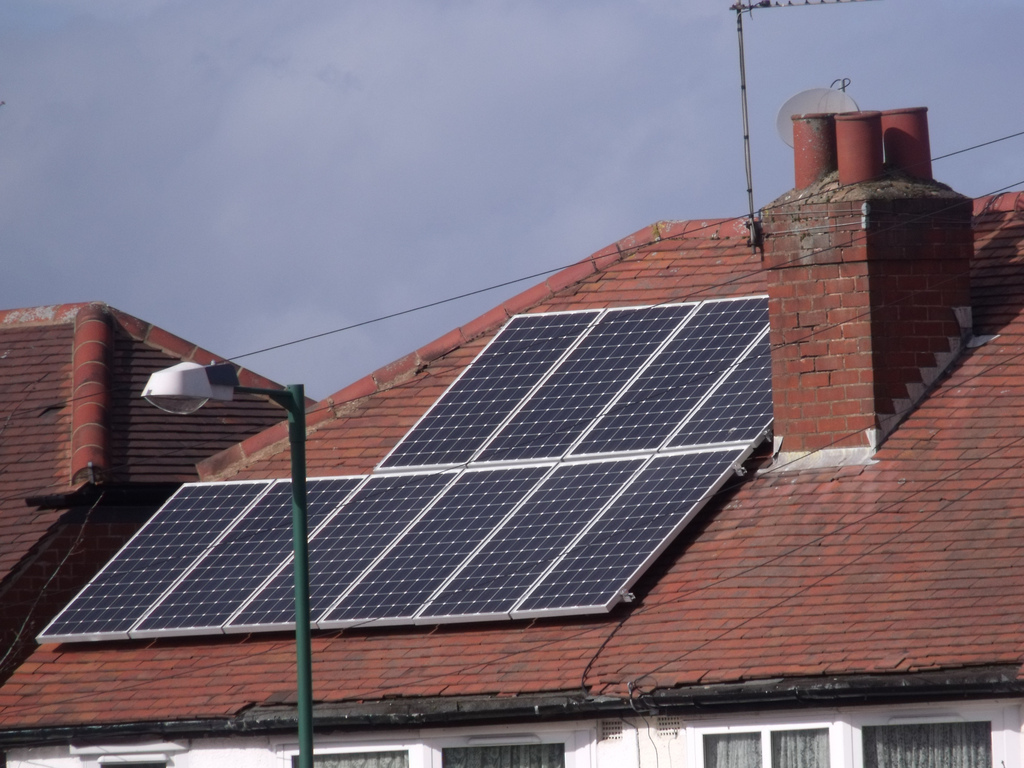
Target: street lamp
[185, 388]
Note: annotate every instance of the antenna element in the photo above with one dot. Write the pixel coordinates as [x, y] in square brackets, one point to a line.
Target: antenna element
[753, 223]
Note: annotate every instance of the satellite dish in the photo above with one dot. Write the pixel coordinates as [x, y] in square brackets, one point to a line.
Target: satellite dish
[813, 101]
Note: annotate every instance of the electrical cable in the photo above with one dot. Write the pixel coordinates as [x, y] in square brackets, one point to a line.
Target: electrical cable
[19, 634]
[454, 298]
[716, 223]
[687, 233]
[817, 331]
[505, 654]
[405, 682]
[890, 506]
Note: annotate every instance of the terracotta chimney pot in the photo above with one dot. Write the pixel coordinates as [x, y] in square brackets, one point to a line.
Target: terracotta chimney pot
[905, 138]
[859, 146]
[814, 148]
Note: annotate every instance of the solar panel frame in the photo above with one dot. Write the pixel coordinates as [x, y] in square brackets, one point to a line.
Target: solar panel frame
[739, 385]
[544, 599]
[374, 541]
[131, 571]
[201, 590]
[366, 518]
[455, 404]
[613, 353]
[436, 546]
[634, 421]
[535, 518]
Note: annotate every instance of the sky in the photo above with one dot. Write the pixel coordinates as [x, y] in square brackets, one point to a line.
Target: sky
[245, 173]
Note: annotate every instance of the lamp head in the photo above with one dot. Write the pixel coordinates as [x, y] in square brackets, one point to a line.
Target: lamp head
[185, 387]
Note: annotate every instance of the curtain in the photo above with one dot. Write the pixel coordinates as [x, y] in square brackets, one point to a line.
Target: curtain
[396, 759]
[732, 750]
[508, 756]
[806, 748]
[929, 745]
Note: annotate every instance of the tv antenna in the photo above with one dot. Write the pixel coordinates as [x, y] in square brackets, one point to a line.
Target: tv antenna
[753, 225]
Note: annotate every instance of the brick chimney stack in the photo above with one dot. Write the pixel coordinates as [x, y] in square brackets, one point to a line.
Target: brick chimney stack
[868, 284]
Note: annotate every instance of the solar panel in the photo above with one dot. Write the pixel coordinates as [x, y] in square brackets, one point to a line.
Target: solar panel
[740, 409]
[584, 383]
[180, 531]
[350, 542]
[704, 349]
[242, 560]
[505, 372]
[500, 573]
[555, 470]
[613, 553]
[439, 542]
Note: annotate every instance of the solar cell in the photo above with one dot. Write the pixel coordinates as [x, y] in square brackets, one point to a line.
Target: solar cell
[584, 383]
[631, 533]
[340, 551]
[179, 532]
[647, 413]
[500, 573]
[740, 410]
[439, 542]
[242, 560]
[505, 372]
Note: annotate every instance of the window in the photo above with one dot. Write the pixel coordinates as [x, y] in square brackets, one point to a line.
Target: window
[802, 748]
[390, 759]
[732, 750]
[505, 756]
[149, 754]
[928, 745]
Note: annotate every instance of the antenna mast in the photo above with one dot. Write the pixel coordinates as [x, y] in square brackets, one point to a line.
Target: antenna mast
[753, 224]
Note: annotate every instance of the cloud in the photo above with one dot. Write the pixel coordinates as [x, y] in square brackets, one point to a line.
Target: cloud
[243, 173]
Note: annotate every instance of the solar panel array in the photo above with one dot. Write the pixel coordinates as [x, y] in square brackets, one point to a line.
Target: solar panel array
[544, 481]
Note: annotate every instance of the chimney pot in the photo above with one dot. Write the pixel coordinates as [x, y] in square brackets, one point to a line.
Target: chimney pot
[905, 138]
[859, 146]
[814, 147]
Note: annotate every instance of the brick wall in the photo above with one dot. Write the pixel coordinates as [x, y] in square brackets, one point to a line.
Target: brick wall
[861, 296]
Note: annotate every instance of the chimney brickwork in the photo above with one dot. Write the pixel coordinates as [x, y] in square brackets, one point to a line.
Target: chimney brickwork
[869, 296]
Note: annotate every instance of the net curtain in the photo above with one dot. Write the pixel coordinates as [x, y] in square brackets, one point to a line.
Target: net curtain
[790, 749]
[930, 745]
[393, 759]
[509, 756]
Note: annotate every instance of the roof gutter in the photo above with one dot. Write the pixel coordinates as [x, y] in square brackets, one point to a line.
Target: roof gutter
[781, 693]
[114, 495]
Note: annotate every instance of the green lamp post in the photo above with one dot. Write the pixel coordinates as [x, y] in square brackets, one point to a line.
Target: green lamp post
[186, 387]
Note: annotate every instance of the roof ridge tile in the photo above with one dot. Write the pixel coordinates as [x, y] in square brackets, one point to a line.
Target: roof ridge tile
[1005, 202]
[179, 347]
[51, 314]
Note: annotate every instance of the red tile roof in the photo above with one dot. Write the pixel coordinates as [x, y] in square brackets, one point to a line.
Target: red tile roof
[903, 565]
[70, 376]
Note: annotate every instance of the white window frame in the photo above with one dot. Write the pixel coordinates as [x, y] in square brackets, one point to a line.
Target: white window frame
[326, 746]
[424, 748]
[696, 733]
[1005, 720]
[578, 743]
[846, 746]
